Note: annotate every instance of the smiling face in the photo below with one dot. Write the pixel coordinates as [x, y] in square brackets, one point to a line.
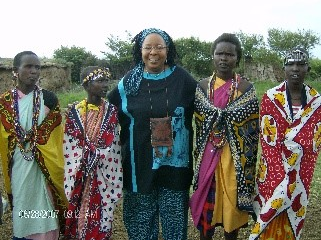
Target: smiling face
[154, 53]
[225, 59]
[28, 72]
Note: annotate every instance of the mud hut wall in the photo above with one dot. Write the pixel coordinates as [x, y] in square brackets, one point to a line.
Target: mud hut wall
[6, 82]
[53, 78]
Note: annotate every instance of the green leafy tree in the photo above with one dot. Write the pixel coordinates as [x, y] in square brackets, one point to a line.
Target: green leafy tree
[315, 72]
[119, 54]
[195, 56]
[251, 44]
[280, 41]
[78, 56]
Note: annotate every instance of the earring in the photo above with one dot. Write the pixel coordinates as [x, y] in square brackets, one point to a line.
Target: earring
[14, 75]
[14, 78]
[39, 81]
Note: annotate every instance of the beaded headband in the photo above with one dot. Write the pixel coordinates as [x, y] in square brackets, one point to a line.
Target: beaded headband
[296, 55]
[97, 73]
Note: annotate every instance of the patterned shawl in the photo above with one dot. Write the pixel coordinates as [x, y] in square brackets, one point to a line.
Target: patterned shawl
[48, 153]
[290, 148]
[93, 172]
[240, 119]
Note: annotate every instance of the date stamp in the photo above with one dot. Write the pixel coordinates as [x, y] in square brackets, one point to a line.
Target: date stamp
[77, 214]
[38, 213]
[55, 213]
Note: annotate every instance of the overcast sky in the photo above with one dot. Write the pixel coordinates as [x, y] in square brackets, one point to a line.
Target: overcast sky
[43, 26]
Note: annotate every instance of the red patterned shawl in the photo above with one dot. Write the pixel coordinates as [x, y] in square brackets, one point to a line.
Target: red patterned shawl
[289, 151]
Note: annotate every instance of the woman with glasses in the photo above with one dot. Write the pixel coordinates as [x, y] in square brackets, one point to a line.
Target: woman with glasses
[155, 103]
[93, 169]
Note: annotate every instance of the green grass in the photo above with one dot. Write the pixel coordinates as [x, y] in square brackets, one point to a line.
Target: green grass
[77, 93]
[262, 86]
[316, 183]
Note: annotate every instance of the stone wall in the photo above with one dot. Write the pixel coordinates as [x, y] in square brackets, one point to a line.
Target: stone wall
[54, 76]
[261, 72]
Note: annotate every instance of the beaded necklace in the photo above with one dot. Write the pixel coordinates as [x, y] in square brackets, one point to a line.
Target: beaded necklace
[212, 84]
[23, 137]
[95, 124]
[218, 134]
[154, 75]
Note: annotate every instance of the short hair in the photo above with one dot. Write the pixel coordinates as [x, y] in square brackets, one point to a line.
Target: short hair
[18, 57]
[230, 38]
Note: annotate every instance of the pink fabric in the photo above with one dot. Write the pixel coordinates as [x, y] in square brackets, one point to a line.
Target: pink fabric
[210, 159]
[206, 173]
[222, 94]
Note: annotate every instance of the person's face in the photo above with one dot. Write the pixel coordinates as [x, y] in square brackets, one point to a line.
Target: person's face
[28, 72]
[154, 53]
[98, 87]
[295, 72]
[225, 58]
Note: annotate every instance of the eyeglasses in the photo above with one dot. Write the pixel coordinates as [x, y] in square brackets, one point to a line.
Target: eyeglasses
[157, 48]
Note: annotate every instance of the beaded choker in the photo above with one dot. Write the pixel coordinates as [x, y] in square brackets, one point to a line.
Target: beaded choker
[154, 75]
[94, 126]
[24, 137]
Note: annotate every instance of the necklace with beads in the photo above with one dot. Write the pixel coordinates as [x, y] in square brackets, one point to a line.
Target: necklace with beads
[94, 126]
[154, 75]
[232, 90]
[24, 137]
[218, 134]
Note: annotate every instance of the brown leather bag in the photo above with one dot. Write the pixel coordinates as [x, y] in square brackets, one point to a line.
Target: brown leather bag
[161, 135]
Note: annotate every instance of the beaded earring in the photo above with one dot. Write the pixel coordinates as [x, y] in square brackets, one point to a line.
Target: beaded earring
[39, 82]
[14, 78]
